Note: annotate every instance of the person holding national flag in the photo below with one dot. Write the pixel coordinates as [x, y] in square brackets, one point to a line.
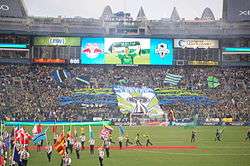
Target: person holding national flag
[77, 147]
[24, 156]
[91, 146]
[83, 139]
[106, 145]
[49, 151]
[101, 156]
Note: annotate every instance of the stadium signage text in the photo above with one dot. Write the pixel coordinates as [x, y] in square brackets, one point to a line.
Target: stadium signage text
[4, 7]
[57, 41]
[48, 60]
[195, 43]
[207, 63]
[74, 61]
[244, 13]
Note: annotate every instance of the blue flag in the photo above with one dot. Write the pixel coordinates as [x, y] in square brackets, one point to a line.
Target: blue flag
[91, 133]
[16, 157]
[39, 137]
[122, 130]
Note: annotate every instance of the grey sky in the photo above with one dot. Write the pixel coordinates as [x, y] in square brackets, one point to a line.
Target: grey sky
[154, 9]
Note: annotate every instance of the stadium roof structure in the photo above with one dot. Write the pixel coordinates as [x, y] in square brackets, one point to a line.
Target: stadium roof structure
[141, 14]
[175, 15]
[107, 13]
[207, 14]
[12, 9]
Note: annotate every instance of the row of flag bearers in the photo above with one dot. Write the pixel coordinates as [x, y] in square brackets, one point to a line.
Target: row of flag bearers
[62, 143]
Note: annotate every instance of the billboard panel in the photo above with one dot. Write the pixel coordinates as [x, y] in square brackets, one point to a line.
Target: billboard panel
[161, 52]
[126, 51]
[57, 41]
[238, 10]
[195, 43]
[92, 51]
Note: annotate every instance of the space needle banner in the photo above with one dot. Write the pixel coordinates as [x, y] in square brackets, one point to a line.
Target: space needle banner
[138, 101]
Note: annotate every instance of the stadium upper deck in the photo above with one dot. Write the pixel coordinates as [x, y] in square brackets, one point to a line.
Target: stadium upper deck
[14, 20]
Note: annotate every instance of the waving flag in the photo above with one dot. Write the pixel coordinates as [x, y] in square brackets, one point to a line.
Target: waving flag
[59, 146]
[22, 137]
[83, 79]
[69, 134]
[172, 79]
[121, 130]
[39, 137]
[37, 129]
[16, 156]
[105, 132]
[91, 133]
[213, 82]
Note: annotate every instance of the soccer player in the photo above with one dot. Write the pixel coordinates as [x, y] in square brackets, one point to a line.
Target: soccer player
[91, 146]
[193, 136]
[248, 135]
[83, 139]
[148, 140]
[218, 135]
[127, 141]
[127, 57]
[101, 156]
[137, 140]
[49, 151]
[120, 141]
[77, 147]
[110, 139]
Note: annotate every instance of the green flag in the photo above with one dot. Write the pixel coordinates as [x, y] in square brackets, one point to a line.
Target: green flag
[213, 82]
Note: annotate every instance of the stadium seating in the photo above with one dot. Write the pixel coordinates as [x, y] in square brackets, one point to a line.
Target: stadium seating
[29, 92]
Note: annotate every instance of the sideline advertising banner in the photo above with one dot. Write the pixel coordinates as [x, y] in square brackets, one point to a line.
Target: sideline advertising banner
[195, 43]
[57, 41]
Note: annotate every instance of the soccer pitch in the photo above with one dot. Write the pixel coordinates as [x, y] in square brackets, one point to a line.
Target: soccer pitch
[232, 151]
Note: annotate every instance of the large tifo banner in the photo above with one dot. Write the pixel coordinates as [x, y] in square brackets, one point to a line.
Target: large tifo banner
[127, 51]
[141, 101]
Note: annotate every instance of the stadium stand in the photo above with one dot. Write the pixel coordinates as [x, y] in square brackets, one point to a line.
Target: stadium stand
[29, 92]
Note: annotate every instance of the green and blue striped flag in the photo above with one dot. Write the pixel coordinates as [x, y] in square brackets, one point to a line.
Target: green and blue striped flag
[91, 133]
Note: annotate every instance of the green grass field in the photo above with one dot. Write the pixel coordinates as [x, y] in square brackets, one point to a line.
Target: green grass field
[232, 151]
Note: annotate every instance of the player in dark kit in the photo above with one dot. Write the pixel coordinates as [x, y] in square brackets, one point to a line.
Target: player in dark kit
[137, 140]
[218, 135]
[49, 151]
[248, 135]
[148, 140]
[127, 141]
[193, 136]
[120, 141]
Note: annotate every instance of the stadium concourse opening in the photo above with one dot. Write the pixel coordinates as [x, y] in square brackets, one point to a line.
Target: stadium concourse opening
[169, 86]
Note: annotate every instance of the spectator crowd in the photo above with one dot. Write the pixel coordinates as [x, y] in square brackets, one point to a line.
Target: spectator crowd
[28, 92]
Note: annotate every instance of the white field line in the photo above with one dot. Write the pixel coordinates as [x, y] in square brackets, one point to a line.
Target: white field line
[196, 154]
